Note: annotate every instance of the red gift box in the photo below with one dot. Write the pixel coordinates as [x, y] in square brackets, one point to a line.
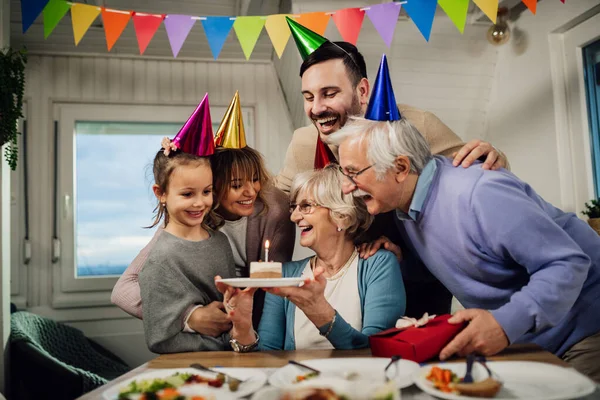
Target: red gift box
[416, 344]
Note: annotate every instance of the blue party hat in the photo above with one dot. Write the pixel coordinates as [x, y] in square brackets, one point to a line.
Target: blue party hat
[382, 104]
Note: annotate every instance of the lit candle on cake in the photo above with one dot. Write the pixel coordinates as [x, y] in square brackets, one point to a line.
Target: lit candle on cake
[267, 269]
[267, 250]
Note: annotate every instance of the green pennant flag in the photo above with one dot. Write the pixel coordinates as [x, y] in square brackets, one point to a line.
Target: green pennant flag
[248, 30]
[54, 11]
[456, 11]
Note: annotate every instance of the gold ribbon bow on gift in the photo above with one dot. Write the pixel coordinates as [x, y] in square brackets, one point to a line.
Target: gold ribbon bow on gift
[407, 322]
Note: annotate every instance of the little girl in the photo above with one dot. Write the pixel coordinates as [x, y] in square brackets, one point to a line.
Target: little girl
[180, 269]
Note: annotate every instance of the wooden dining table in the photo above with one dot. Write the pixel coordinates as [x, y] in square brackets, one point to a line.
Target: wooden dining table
[276, 359]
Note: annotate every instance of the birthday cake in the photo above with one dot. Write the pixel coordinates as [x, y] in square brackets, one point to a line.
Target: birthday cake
[261, 270]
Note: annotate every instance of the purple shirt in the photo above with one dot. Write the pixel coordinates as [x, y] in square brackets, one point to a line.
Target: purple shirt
[497, 245]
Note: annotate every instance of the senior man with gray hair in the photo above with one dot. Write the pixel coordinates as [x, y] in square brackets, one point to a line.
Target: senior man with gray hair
[525, 270]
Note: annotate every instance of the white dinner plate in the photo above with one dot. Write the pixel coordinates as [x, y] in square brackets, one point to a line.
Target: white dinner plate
[354, 390]
[521, 380]
[266, 282]
[255, 379]
[367, 369]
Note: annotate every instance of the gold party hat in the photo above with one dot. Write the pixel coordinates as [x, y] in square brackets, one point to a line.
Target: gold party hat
[230, 133]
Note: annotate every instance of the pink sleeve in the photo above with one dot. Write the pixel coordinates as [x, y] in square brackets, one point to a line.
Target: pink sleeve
[126, 293]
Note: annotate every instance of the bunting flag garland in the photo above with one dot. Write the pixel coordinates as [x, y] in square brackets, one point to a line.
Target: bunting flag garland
[315, 21]
[30, 9]
[178, 28]
[422, 13]
[115, 22]
[456, 11]
[384, 17]
[82, 17]
[216, 30]
[349, 22]
[248, 30]
[145, 26]
[278, 31]
[54, 11]
[532, 4]
[489, 8]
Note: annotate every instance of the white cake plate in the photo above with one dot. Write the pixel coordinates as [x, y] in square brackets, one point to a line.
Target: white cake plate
[266, 282]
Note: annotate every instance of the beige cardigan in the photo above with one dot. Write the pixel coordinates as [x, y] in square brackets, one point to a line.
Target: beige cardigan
[300, 154]
[274, 225]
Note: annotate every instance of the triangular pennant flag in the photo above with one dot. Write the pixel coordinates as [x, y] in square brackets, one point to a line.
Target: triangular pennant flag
[178, 28]
[456, 11]
[216, 30]
[382, 104]
[82, 16]
[489, 8]
[115, 22]
[278, 31]
[231, 133]
[315, 21]
[248, 30]
[323, 155]
[146, 26]
[306, 40]
[196, 135]
[422, 13]
[531, 4]
[54, 11]
[348, 22]
[384, 17]
[30, 9]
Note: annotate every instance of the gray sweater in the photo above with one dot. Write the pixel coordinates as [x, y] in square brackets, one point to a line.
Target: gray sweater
[177, 274]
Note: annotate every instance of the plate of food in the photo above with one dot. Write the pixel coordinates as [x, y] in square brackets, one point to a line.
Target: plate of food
[330, 389]
[504, 380]
[263, 274]
[188, 382]
[359, 369]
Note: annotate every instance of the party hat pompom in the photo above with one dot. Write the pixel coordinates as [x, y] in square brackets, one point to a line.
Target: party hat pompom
[323, 155]
[230, 133]
[306, 40]
[382, 104]
[196, 135]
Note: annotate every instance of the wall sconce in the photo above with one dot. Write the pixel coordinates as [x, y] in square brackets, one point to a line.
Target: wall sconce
[499, 33]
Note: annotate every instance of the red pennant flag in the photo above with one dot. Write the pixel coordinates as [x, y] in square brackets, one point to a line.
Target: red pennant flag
[145, 27]
[531, 4]
[115, 22]
[349, 22]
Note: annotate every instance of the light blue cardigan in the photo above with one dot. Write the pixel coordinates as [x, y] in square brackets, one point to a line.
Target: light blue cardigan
[382, 302]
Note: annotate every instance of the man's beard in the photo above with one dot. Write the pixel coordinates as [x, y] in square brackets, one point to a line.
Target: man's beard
[354, 110]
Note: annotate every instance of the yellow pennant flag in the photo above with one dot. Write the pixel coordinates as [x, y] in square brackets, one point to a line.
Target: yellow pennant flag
[82, 16]
[489, 8]
[278, 31]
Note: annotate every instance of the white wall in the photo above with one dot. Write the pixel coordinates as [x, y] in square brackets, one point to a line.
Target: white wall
[451, 75]
[521, 114]
[128, 80]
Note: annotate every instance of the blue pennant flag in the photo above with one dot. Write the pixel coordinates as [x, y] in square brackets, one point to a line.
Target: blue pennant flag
[216, 30]
[30, 9]
[422, 13]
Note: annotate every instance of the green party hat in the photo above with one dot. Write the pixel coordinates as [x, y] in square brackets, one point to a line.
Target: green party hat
[306, 40]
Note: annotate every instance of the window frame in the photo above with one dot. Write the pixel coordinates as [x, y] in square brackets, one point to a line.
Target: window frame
[70, 291]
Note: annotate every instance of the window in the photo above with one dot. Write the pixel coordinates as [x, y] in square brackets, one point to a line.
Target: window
[103, 194]
[591, 61]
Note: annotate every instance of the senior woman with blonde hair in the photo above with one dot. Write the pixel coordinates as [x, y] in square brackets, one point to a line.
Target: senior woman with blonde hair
[344, 298]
